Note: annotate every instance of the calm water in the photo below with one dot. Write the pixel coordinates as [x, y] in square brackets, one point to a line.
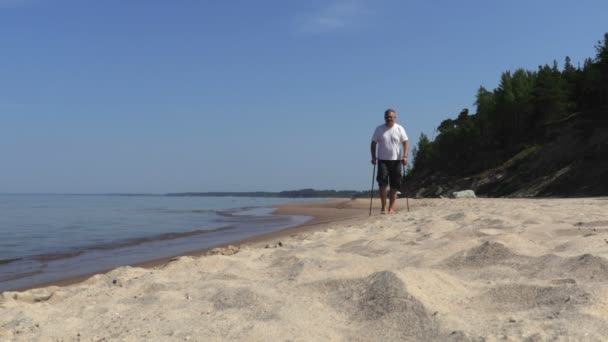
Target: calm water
[50, 237]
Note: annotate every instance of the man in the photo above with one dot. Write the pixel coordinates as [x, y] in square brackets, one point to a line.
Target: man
[389, 139]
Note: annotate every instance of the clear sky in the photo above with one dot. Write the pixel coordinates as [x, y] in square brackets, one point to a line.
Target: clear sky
[160, 96]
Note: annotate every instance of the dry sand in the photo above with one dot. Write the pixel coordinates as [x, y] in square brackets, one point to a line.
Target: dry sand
[449, 270]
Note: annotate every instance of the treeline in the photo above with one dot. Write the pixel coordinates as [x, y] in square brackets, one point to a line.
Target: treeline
[303, 193]
[514, 117]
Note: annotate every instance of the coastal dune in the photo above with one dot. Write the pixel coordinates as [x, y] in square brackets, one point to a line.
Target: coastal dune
[448, 270]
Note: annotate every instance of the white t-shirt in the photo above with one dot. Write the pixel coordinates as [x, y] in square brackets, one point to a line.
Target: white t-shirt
[390, 140]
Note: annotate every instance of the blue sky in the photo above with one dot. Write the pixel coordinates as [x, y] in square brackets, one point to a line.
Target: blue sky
[162, 96]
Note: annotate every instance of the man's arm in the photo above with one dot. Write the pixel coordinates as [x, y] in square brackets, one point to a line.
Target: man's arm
[405, 151]
[373, 148]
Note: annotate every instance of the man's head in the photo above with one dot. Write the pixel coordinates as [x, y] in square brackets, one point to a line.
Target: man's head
[390, 115]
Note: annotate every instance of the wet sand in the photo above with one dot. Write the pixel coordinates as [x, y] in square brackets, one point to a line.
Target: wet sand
[449, 270]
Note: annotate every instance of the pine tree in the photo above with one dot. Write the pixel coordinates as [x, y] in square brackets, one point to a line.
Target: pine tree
[601, 60]
[423, 155]
[550, 95]
[486, 107]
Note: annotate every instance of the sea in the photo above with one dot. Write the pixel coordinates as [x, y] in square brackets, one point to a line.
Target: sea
[46, 238]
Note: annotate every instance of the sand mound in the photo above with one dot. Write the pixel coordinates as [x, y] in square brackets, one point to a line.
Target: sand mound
[288, 267]
[456, 216]
[233, 299]
[254, 306]
[381, 307]
[517, 297]
[586, 267]
[362, 247]
[486, 254]
[592, 224]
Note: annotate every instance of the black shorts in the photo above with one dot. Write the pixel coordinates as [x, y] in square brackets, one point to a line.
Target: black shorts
[389, 173]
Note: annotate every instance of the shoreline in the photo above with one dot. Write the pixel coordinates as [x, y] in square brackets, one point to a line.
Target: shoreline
[323, 215]
[449, 269]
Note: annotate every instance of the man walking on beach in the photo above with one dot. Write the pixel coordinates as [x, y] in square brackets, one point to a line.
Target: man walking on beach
[389, 138]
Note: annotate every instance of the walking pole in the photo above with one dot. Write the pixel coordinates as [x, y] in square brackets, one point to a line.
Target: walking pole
[407, 201]
[371, 193]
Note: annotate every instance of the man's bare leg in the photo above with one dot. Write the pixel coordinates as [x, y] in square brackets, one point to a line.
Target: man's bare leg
[383, 198]
[391, 206]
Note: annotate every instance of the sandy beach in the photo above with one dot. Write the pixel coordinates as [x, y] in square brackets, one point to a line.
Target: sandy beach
[448, 270]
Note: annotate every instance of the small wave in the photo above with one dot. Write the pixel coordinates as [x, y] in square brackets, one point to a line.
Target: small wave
[228, 212]
[239, 212]
[224, 212]
[56, 256]
[126, 243]
[9, 277]
[160, 237]
[8, 261]
[182, 211]
[204, 211]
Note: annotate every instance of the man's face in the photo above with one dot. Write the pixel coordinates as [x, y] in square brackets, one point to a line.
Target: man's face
[390, 118]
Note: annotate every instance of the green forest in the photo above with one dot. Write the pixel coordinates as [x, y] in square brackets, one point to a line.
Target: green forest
[515, 118]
